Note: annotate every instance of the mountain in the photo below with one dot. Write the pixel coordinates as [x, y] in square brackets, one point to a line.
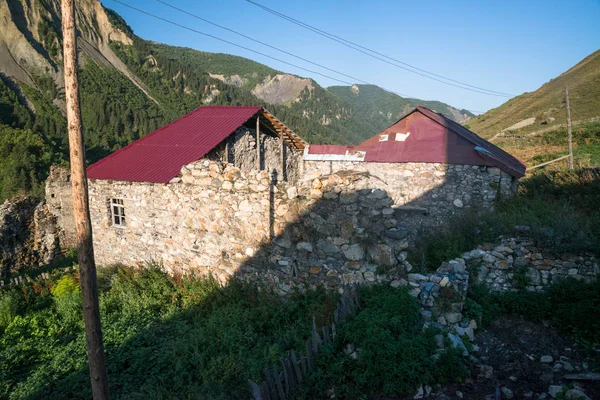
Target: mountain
[385, 107]
[131, 86]
[545, 107]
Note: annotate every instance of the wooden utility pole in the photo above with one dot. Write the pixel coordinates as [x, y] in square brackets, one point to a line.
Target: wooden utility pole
[83, 227]
[258, 141]
[570, 137]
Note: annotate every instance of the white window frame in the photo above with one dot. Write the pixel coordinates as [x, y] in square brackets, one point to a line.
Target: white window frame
[384, 137]
[117, 213]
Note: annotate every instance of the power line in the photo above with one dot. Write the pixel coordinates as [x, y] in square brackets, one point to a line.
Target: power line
[229, 42]
[370, 53]
[249, 49]
[281, 50]
[258, 41]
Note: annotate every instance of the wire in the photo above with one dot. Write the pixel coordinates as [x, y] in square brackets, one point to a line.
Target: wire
[283, 51]
[228, 42]
[260, 42]
[368, 52]
[249, 49]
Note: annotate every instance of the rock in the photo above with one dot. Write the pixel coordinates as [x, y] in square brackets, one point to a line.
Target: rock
[457, 343]
[353, 252]
[292, 192]
[328, 248]
[453, 317]
[459, 394]
[488, 371]
[314, 270]
[546, 359]
[458, 203]
[382, 254]
[282, 210]
[444, 282]
[513, 378]
[420, 393]
[568, 366]
[528, 395]
[285, 243]
[507, 392]
[306, 246]
[576, 394]
[588, 376]
[554, 390]
[416, 277]
[426, 314]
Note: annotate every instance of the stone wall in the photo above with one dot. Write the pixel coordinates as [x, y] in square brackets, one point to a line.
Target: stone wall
[518, 263]
[60, 201]
[442, 189]
[28, 235]
[274, 156]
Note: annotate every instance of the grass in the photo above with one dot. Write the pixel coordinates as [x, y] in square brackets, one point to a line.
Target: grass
[549, 146]
[548, 101]
[165, 337]
[570, 306]
[395, 354]
[561, 207]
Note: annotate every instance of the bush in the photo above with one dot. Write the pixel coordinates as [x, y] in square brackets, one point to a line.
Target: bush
[164, 337]
[67, 297]
[395, 356]
[560, 207]
[571, 306]
[9, 307]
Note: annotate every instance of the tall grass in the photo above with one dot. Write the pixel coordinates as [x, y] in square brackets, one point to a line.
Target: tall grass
[165, 337]
[560, 207]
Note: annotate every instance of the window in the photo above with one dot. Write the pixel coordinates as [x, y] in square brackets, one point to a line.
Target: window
[117, 211]
[383, 138]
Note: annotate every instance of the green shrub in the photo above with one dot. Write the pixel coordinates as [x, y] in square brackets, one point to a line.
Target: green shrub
[67, 297]
[395, 355]
[164, 337]
[9, 307]
[571, 306]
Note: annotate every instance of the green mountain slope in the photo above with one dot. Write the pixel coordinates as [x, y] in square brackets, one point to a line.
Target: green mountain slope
[384, 108]
[545, 107]
[130, 87]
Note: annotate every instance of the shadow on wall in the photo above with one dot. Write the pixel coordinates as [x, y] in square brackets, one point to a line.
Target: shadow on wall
[345, 228]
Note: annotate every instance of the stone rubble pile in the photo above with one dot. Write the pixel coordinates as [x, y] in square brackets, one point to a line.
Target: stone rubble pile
[519, 263]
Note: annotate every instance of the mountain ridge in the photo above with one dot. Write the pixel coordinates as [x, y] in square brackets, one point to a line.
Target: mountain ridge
[130, 86]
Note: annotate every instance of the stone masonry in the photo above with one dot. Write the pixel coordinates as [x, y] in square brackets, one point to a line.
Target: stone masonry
[442, 189]
[517, 263]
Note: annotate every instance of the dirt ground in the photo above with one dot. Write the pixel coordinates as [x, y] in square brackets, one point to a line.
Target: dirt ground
[509, 354]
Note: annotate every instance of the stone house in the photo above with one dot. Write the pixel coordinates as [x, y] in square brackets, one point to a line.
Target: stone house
[233, 192]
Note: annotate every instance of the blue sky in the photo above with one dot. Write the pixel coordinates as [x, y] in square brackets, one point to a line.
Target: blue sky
[507, 46]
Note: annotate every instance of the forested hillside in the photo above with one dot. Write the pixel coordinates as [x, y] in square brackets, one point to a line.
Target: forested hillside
[384, 108]
[130, 87]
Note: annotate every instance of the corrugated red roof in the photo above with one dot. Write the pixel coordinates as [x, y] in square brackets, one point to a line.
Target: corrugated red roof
[327, 149]
[423, 135]
[159, 156]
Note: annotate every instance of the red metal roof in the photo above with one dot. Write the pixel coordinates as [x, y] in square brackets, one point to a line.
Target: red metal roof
[434, 138]
[327, 149]
[159, 156]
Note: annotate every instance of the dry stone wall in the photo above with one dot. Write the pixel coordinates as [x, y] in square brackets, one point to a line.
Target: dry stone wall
[240, 151]
[517, 263]
[442, 189]
[28, 235]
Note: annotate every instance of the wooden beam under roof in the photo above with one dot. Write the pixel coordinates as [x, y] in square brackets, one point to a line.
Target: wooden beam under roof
[286, 133]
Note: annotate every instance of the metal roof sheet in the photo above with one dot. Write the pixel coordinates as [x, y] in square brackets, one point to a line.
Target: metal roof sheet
[511, 164]
[327, 149]
[159, 156]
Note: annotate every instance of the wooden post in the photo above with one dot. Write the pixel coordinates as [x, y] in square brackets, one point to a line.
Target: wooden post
[83, 228]
[258, 141]
[570, 138]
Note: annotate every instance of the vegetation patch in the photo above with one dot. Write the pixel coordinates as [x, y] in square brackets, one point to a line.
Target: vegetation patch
[559, 207]
[570, 306]
[164, 337]
[382, 350]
